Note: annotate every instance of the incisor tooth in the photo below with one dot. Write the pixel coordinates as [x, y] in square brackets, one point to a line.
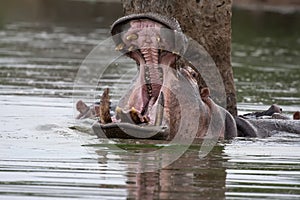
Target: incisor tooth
[158, 39]
[131, 37]
[130, 48]
[175, 52]
[120, 47]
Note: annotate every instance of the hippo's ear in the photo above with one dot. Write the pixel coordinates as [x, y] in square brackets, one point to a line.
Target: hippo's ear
[81, 106]
[205, 93]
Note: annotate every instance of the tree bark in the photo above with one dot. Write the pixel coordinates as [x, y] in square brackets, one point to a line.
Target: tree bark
[207, 22]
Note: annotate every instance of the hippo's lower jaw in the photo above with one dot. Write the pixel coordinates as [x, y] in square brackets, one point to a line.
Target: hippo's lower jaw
[128, 125]
[130, 131]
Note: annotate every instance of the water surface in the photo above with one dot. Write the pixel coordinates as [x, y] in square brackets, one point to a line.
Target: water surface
[41, 158]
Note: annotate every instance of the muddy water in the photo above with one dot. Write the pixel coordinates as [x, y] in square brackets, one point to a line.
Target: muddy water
[41, 158]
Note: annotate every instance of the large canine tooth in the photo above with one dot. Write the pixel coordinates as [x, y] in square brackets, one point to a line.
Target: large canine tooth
[120, 47]
[105, 107]
[132, 36]
[160, 110]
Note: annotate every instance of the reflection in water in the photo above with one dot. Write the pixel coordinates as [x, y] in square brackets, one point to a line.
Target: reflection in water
[40, 52]
[189, 177]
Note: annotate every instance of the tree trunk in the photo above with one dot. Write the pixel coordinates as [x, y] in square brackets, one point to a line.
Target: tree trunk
[207, 22]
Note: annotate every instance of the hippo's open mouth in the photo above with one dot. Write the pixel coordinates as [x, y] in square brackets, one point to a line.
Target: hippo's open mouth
[145, 44]
[152, 41]
[148, 39]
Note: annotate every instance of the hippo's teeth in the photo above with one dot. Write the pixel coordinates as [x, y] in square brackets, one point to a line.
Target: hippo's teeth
[132, 36]
[136, 116]
[175, 52]
[160, 110]
[120, 47]
[158, 39]
[149, 89]
[131, 48]
[105, 107]
[118, 109]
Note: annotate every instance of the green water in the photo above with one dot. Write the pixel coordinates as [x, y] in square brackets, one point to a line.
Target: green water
[42, 45]
[266, 57]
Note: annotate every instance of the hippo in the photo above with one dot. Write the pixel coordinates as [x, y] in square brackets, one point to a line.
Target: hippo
[165, 98]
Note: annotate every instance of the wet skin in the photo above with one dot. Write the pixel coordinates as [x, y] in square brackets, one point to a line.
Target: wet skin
[151, 107]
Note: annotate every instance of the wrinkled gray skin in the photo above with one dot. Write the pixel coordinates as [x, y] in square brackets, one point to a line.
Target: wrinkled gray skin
[266, 123]
[151, 109]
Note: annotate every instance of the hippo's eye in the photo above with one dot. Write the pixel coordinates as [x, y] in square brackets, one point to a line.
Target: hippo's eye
[192, 72]
[194, 75]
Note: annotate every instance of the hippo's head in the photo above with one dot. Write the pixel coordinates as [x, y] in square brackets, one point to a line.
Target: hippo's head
[163, 92]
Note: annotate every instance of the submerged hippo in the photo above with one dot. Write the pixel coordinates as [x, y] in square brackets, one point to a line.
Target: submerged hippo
[165, 98]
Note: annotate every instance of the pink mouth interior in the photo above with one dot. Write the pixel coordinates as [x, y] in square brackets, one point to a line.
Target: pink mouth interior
[146, 46]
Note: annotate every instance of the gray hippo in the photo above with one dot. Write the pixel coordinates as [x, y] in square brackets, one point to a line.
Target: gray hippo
[165, 98]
